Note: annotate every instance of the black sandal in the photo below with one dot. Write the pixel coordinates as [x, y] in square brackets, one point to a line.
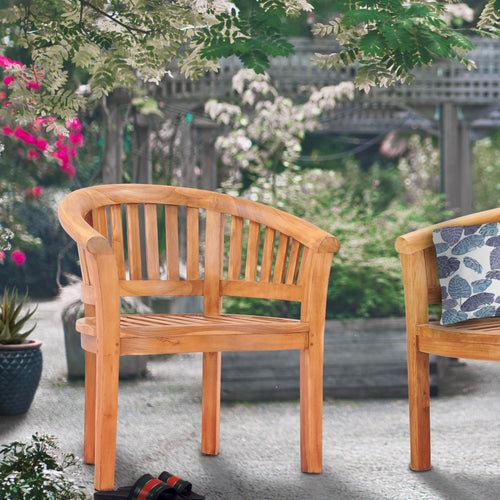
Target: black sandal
[183, 488]
[145, 488]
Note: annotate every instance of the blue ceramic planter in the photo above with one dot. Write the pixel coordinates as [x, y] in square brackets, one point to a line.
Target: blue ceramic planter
[20, 371]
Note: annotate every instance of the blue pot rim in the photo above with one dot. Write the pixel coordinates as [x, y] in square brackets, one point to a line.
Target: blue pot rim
[29, 344]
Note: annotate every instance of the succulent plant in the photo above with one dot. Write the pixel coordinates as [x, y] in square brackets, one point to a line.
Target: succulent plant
[13, 317]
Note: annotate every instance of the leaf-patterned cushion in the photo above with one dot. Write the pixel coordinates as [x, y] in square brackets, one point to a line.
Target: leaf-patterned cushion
[468, 259]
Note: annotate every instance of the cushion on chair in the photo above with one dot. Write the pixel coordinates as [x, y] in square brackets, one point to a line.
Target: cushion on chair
[468, 259]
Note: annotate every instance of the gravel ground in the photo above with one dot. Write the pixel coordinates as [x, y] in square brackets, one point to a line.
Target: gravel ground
[366, 442]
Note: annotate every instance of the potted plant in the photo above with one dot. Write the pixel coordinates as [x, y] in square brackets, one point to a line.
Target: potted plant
[20, 357]
[72, 309]
[37, 469]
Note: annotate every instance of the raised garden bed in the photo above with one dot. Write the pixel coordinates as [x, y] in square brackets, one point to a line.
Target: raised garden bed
[363, 359]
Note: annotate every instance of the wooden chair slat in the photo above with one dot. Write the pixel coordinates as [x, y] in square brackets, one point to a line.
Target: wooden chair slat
[281, 257]
[116, 225]
[143, 288]
[252, 256]
[273, 291]
[267, 255]
[100, 220]
[235, 248]
[172, 237]
[134, 241]
[293, 263]
[213, 262]
[193, 243]
[151, 240]
[305, 265]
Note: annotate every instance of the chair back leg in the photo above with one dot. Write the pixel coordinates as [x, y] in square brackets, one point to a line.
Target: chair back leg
[211, 403]
[311, 409]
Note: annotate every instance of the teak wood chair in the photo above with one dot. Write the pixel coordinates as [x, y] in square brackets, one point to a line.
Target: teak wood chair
[471, 339]
[117, 230]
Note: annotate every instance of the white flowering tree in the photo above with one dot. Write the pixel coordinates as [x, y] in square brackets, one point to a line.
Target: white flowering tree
[266, 129]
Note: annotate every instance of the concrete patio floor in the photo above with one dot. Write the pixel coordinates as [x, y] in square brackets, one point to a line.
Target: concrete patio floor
[366, 442]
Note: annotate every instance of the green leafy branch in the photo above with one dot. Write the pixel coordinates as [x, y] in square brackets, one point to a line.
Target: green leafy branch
[388, 40]
[254, 40]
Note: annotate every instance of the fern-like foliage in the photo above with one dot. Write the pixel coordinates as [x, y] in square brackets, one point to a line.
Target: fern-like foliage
[253, 40]
[388, 40]
[111, 44]
[489, 20]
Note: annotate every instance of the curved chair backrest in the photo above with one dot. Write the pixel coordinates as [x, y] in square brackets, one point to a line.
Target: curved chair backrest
[179, 241]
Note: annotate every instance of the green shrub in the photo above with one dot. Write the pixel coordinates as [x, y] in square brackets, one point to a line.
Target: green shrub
[38, 274]
[36, 470]
[486, 173]
[366, 215]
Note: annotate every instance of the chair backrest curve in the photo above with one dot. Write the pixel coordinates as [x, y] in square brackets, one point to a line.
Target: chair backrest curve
[179, 241]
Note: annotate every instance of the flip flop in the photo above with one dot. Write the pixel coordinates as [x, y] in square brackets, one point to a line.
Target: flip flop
[145, 488]
[183, 488]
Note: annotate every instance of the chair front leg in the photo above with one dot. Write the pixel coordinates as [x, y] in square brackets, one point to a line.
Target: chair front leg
[311, 409]
[210, 426]
[419, 405]
[107, 374]
[90, 395]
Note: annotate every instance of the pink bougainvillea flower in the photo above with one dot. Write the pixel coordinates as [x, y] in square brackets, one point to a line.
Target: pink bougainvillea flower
[8, 80]
[41, 144]
[7, 131]
[62, 154]
[74, 125]
[37, 191]
[44, 120]
[2, 256]
[68, 169]
[7, 63]
[24, 136]
[18, 257]
[33, 154]
[76, 139]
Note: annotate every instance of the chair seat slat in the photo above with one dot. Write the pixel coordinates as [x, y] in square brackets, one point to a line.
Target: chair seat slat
[167, 325]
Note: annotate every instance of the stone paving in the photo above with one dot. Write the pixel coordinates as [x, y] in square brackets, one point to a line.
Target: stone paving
[366, 441]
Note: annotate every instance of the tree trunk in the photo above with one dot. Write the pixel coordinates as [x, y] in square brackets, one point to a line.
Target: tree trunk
[142, 172]
[115, 108]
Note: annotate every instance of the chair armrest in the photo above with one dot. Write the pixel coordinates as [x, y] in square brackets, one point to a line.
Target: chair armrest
[70, 214]
[422, 238]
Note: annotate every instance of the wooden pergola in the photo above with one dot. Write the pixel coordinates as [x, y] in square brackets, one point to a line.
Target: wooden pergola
[455, 103]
